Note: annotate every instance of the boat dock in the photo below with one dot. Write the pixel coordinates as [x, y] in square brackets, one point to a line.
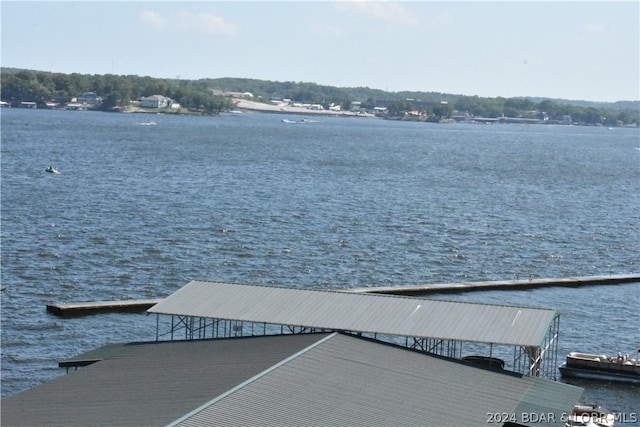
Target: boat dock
[506, 285]
[139, 306]
[85, 308]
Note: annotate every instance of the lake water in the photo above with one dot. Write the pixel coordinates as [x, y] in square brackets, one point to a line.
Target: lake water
[139, 211]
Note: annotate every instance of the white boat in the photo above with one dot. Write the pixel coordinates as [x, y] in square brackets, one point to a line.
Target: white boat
[51, 169]
[149, 123]
[288, 121]
[618, 368]
[590, 415]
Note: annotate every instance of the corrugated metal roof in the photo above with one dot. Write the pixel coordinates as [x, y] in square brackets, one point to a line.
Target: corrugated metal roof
[343, 380]
[304, 379]
[148, 384]
[389, 315]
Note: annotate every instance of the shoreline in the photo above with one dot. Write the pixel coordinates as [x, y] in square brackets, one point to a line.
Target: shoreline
[260, 107]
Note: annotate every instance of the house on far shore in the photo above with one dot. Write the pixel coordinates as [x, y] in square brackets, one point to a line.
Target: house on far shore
[88, 98]
[155, 101]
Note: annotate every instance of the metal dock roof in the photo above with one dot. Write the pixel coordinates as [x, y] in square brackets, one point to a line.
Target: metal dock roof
[343, 380]
[344, 311]
[148, 384]
[305, 379]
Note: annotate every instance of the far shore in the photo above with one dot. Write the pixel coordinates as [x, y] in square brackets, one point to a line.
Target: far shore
[247, 105]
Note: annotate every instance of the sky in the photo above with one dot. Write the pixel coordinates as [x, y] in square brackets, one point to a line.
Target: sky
[576, 50]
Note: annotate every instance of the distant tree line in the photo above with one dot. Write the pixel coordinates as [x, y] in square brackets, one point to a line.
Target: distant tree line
[206, 95]
[437, 105]
[116, 91]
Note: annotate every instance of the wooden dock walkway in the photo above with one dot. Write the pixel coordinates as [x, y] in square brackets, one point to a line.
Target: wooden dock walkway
[507, 285]
[85, 308]
[139, 306]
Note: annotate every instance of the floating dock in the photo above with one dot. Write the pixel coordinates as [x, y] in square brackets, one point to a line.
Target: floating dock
[139, 306]
[506, 285]
[85, 308]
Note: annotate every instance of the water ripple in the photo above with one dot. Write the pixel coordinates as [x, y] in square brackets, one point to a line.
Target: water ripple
[347, 203]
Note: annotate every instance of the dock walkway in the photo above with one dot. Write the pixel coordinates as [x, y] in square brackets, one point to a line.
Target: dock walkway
[507, 285]
[138, 306]
[84, 308]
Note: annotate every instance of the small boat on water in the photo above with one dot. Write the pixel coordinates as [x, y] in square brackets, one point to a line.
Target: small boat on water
[51, 169]
[288, 121]
[589, 415]
[618, 368]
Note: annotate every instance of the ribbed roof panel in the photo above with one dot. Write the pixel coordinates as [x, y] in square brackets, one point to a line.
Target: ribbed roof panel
[148, 384]
[390, 315]
[345, 381]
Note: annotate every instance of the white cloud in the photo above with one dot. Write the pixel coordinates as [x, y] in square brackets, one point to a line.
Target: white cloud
[205, 23]
[153, 19]
[390, 12]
